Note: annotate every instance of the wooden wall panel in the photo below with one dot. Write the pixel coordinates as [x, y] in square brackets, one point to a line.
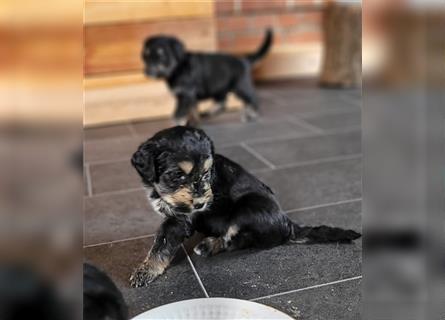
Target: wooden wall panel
[117, 47]
[107, 12]
[148, 100]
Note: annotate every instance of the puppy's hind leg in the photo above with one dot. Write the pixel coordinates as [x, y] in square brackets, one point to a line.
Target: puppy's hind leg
[233, 239]
[246, 92]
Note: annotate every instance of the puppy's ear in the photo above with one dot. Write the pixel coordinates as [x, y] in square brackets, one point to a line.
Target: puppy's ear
[143, 162]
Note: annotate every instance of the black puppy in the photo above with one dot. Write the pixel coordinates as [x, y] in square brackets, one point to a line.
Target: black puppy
[197, 76]
[102, 300]
[196, 189]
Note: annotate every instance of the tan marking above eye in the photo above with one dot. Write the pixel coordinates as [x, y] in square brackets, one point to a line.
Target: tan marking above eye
[186, 166]
[208, 164]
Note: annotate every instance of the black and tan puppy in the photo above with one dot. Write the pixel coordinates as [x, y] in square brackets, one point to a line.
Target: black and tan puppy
[193, 76]
[198, 190]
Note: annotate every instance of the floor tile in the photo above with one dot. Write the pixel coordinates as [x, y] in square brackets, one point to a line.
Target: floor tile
[249, 274]
[338, 301]
[107, 132]
[308, 185]
[114, 176]
[302, 108]
[336, 121]
[282, 152]
[118, 216]
[110, 149]
[242, 157]
[346, 215]
[233, 133]
[120, 259]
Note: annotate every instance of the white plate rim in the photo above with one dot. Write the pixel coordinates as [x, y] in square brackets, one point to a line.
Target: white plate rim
[279, 313]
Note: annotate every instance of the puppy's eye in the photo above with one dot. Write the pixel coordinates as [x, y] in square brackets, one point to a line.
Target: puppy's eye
[182, 178]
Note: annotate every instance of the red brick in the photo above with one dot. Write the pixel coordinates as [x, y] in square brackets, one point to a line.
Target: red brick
[300, 37]
[231, 23]
[224, 7]
[262, 5]
[262, 21]
[288, 19]
[306, 3]
[240, 43]
[312, 17]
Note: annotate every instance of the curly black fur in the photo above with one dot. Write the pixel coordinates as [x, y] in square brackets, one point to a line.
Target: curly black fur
[241, 211]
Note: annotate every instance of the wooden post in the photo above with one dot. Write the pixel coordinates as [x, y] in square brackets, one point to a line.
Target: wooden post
[342, 63]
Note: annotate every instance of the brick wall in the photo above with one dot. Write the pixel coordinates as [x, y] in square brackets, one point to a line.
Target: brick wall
[241, 23]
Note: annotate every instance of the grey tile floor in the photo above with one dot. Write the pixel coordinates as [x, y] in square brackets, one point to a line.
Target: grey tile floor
[307, 147]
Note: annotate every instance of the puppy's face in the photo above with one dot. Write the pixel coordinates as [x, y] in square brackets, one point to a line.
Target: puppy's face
[161, 55]
[178, 164]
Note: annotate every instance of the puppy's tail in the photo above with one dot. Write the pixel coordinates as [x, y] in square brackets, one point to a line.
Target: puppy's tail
[263, 49]
[321, 234]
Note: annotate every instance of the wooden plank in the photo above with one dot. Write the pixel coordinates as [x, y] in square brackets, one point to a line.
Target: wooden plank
[121, 11]
[140, 101]
[116, 48]
[291, 61]
[282, 62]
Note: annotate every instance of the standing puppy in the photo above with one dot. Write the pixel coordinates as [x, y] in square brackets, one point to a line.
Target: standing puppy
[193, 76]
[196, 189]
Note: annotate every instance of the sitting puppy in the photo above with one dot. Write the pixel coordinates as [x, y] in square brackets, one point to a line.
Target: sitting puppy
[198, 190]
[197, 76]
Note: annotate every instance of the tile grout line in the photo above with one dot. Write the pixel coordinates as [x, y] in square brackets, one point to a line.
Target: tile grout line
[323, 205]
[301, 135]
[311, 162]
[307, 288]
[195, 272]
[118, 241]
[115, 192]
[286, 211]
[306, 125]
[254, 153]
[315, 114]
[89, 182]
[257, 155]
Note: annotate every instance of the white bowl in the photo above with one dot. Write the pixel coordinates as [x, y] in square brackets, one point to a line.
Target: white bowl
[213, 309]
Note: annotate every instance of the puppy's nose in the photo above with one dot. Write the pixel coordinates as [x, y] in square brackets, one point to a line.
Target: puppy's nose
[199, 206]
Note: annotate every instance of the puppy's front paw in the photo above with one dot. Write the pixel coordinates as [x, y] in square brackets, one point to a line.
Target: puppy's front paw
[144, 275]
[208, 246]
